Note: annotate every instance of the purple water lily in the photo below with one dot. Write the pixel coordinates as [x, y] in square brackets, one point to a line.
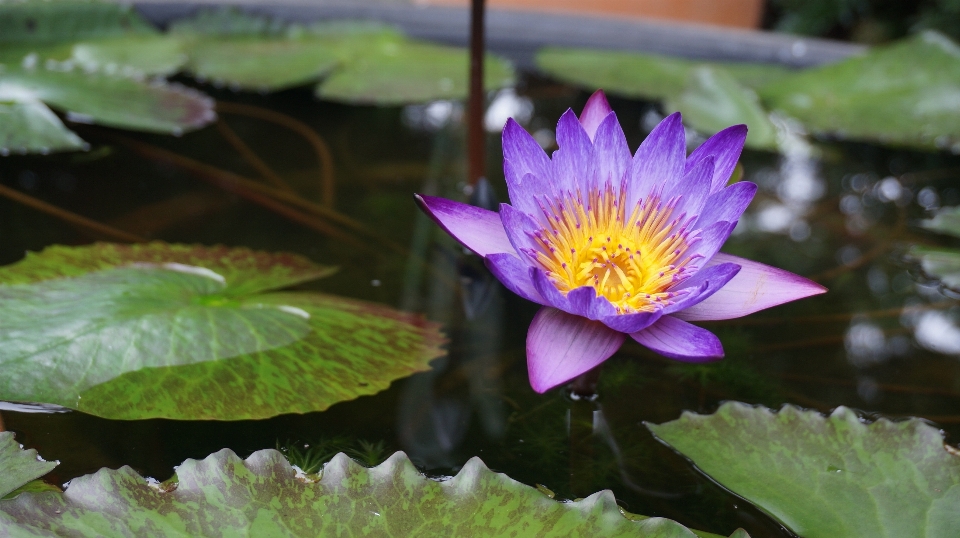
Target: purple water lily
[613, 246]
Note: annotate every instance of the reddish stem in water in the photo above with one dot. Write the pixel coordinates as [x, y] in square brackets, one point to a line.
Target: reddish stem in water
[476, 152]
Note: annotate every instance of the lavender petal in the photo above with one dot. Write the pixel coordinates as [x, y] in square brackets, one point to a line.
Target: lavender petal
[594, 112]
[478, 229]
[515, 276]
[725, 147]
[727, 205]
[680, 340]
[561, 346]
[659, 162]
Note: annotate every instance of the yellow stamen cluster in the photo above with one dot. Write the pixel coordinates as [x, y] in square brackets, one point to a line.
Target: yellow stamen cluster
[632, 261]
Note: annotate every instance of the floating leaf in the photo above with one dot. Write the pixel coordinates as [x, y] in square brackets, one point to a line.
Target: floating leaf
[261, 64]
[392, 71]
[27, 125]
[941, 263]
[829, 476]
[946, 221]
[710, 96]
[907, 93]
[67, 20]
[94, 97]
[713, 100]
[130, 56]
[186, 332]
[17, 466]
[262, 496]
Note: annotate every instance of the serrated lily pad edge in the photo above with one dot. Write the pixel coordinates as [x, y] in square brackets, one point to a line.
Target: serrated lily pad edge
[13, 452]
[341, 467]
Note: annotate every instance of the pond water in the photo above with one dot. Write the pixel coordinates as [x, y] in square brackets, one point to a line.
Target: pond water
[840, 213]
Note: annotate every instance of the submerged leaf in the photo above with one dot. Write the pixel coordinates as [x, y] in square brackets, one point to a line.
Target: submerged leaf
[940, 263]
[713, 100]
[829, 476]
[261, 496]
[907, 93]
[27, 125]
[186, 332]
[18, 467]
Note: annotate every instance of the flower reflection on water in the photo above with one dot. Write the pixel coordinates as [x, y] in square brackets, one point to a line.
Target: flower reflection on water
[613, 246]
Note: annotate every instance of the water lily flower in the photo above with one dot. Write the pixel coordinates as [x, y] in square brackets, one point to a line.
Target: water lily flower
[614, 246]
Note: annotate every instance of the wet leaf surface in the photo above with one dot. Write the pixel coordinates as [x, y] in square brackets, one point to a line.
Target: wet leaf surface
[832, 476]
[906, 93]
[68, 20]
[169, 336]
[19, 467]
[939, 263]
[713, 100]
[27, 125]
[263, 496]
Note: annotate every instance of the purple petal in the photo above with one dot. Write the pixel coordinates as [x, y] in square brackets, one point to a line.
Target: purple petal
[680, 340]
[693, 188]
[659, 160]
[548, 290]
[612, 155]
[521, 156]
[631, 323]
[573, 163]
[478, 229]
[725, 147]
[520, 228]
[594, 112]
[706, 282]
[514, 274]
[711, 239]
[728, 204]
[756, 287]
[561, 346]
[585, 302]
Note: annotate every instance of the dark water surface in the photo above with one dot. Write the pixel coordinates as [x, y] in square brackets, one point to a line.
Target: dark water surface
[841, 213]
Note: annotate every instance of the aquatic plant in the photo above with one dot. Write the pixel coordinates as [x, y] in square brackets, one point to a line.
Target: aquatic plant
[613, 246]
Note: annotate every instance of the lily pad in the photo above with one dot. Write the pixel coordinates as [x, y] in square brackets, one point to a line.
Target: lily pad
[67, 20]
[907, 93]
[17, 466]
[93, 98]
[710, 96]
[134, 56]
[940, 263]
[713, 100]
[263, 496]
[833, 476]
[187, 332]
[27, 125]
[394, 71]
[946, 221]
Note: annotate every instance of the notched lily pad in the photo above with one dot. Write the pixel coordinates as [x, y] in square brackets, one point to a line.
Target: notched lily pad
[189, 332]
[19, 467]
[262, 496]
[833, 476]
[906, 93]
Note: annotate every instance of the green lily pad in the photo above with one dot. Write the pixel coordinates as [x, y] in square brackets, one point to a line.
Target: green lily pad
[940, 263]
[92, 97]
[832, 476]
[260, 64]
[392, 71]
[713, 100]
[263, 496]
[946, 221]
[134, 56]
[710, 96]
[27, 125]
[907, 93]
[67, 20]
[19, 467]
[187, 332]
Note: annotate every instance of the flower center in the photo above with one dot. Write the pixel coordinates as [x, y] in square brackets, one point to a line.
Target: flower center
[632, 261]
